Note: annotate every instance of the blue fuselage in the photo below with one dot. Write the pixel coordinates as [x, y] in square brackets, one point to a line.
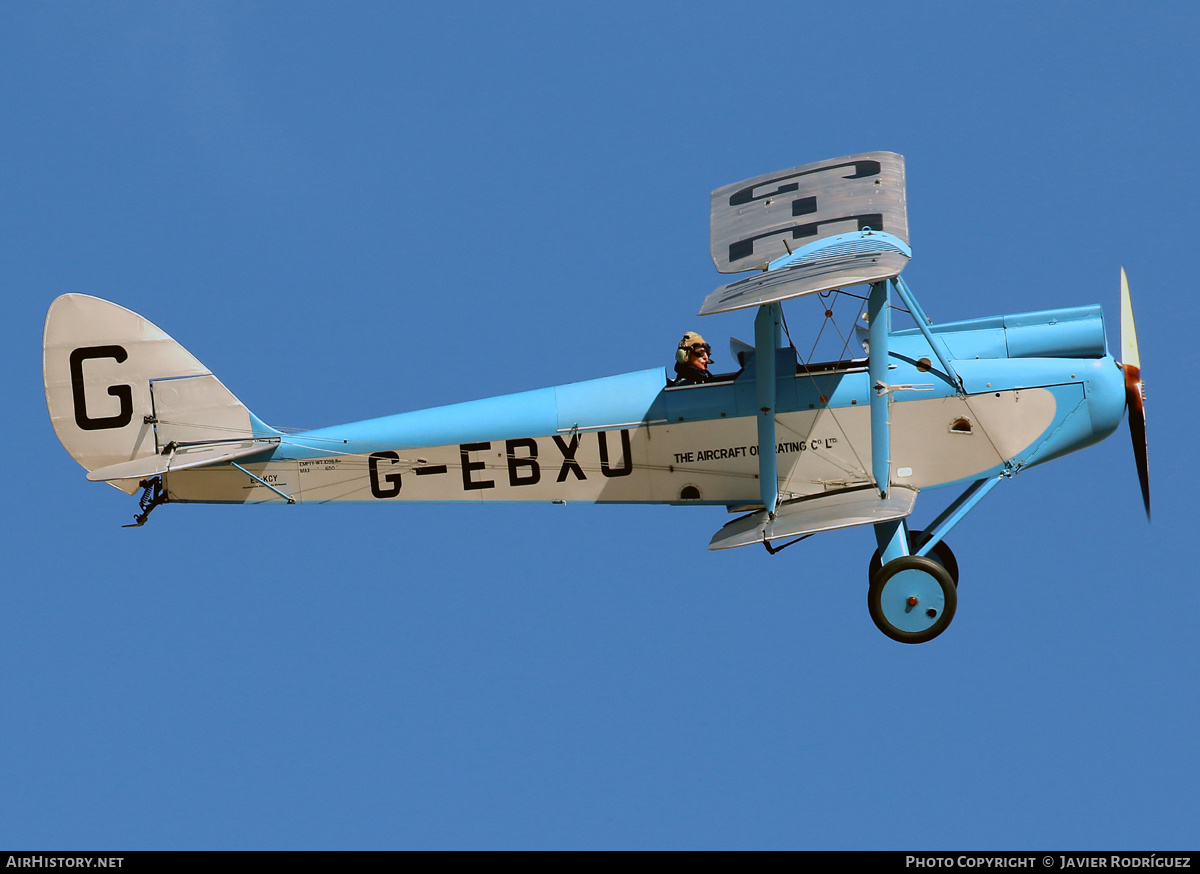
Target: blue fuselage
[1061, 351]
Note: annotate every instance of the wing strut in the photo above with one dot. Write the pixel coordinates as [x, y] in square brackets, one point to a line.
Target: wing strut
[879, 319]
[891, 534]
[767, 339]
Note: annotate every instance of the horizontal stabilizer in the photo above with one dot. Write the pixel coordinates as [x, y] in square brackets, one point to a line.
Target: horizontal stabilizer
[182, 458]
[824, 512]
[755, 221]
[833, 262]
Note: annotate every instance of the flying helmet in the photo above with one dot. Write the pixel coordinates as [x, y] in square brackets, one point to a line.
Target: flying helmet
[690, 340]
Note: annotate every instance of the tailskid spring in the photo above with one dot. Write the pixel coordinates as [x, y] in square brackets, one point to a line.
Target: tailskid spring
[153, 494]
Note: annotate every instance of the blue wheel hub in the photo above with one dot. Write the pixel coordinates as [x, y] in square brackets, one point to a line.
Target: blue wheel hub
[912, 599]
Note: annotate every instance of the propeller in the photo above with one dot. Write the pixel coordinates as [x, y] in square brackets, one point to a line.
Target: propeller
[1135, 392]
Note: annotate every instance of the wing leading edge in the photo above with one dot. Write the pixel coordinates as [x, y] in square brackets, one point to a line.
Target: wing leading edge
[832, 262]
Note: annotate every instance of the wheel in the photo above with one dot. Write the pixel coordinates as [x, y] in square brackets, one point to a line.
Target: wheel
[941, 553]
[912, 599]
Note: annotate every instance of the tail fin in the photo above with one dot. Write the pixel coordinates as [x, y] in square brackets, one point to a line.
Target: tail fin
[120, 389]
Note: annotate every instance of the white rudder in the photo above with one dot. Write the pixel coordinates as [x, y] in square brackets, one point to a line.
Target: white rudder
[120, 389]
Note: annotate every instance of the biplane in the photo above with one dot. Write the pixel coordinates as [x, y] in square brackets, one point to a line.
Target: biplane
[792, 448]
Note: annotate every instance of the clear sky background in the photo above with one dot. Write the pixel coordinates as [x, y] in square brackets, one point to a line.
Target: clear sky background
[358, 209]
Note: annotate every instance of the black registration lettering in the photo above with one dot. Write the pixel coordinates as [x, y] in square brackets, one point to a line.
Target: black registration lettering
[626, 467]
[123, 393]
[569, 462]
[392, 479]
[745, 248]
[862, 169]
[464, 452]
[523, 470]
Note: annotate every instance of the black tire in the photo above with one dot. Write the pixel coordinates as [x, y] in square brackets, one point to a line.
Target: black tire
[934, 599]
[941, 553]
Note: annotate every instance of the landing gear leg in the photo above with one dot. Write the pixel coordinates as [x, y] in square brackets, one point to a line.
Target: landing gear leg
[941, 553]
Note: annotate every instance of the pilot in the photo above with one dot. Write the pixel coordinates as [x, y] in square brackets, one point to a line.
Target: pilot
[691, 360]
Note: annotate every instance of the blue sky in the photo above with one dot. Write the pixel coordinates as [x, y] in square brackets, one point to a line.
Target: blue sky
[349, 211]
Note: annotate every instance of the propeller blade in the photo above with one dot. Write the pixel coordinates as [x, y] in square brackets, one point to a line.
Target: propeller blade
[1135, 396]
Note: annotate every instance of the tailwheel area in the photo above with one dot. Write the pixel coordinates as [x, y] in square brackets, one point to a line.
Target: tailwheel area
[912, 599]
